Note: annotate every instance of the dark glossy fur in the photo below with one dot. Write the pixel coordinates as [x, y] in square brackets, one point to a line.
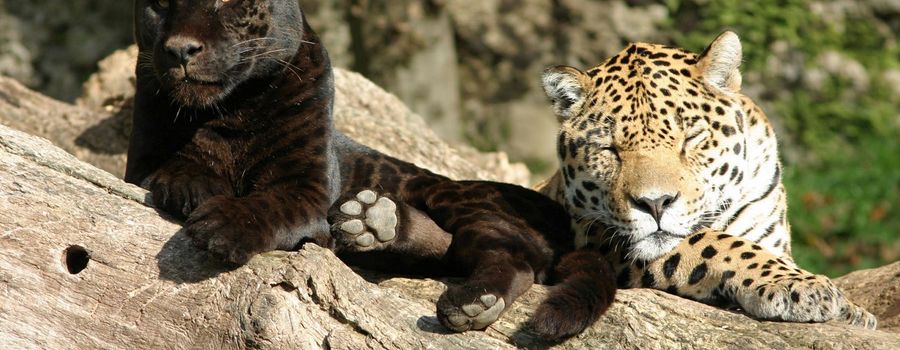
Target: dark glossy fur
[233, 133]
[580, 298]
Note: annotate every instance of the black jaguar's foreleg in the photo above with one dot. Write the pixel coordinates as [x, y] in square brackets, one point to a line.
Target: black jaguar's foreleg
[503, 241]
[585, 288]
[496, 280]
[183, 184]
[237, 229]
[504, 237]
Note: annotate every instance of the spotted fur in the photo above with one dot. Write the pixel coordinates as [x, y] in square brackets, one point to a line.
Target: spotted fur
[674, 174]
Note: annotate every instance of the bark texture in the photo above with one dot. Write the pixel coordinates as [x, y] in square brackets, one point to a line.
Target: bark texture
[85, 264]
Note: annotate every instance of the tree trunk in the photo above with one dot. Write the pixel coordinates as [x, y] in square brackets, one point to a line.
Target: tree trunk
[85, 264]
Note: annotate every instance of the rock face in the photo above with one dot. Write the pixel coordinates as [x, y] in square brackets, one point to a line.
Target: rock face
[85, 264]
[54, 44]
[91, 136]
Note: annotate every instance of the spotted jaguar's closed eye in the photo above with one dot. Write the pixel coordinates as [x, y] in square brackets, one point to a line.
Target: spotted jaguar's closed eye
[694, 139]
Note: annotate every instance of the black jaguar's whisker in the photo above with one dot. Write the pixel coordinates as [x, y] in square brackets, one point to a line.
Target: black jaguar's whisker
[177, 114]
[250, 41]
[247, 59]
[287, 65]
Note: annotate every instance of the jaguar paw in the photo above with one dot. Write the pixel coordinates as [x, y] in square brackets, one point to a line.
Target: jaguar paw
[462, 309]
[365, 222]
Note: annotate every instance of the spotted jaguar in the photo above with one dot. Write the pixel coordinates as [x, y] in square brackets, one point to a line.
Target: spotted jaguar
[673, 174]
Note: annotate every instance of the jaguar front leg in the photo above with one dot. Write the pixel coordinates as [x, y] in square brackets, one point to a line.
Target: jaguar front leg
[182, 185]
[236, 229]
[713, 267]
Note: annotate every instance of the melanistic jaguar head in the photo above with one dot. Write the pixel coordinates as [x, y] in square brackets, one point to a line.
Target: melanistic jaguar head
[200, 50]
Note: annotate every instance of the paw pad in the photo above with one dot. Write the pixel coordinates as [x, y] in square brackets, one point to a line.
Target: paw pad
[366, 221]
[352, 208]
[367, 197]
[353, 226]
[383, 218]
[477, 315]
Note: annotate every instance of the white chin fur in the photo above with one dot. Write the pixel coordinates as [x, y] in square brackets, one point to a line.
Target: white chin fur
[652, 247]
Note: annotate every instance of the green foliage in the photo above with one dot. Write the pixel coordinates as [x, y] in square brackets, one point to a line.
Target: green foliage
[843, 210]
[757, 22]
[843, 190]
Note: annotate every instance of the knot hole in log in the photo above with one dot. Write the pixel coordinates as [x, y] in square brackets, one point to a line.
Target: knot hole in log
[76, 259]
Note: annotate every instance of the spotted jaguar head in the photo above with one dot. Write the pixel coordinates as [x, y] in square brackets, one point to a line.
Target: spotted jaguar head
[652, 142]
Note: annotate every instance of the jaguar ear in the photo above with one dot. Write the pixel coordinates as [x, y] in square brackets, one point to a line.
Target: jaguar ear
[565, 87]
[720, 61]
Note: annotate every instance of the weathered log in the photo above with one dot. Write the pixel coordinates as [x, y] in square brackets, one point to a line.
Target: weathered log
[85, 264]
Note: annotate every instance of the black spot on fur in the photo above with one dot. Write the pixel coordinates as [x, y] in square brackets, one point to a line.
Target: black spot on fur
[671, 264]
[698, 274]
[696, 238]
[709, 252]
[624, 277]
[728, 275]
[647, 280]
[747, 282]
[727, 130]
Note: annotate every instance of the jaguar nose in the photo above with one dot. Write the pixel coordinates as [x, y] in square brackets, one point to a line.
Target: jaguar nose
[654, 206]
[183, 49]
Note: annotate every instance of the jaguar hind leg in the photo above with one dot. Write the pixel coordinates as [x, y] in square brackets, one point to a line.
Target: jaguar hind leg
[364, 222]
